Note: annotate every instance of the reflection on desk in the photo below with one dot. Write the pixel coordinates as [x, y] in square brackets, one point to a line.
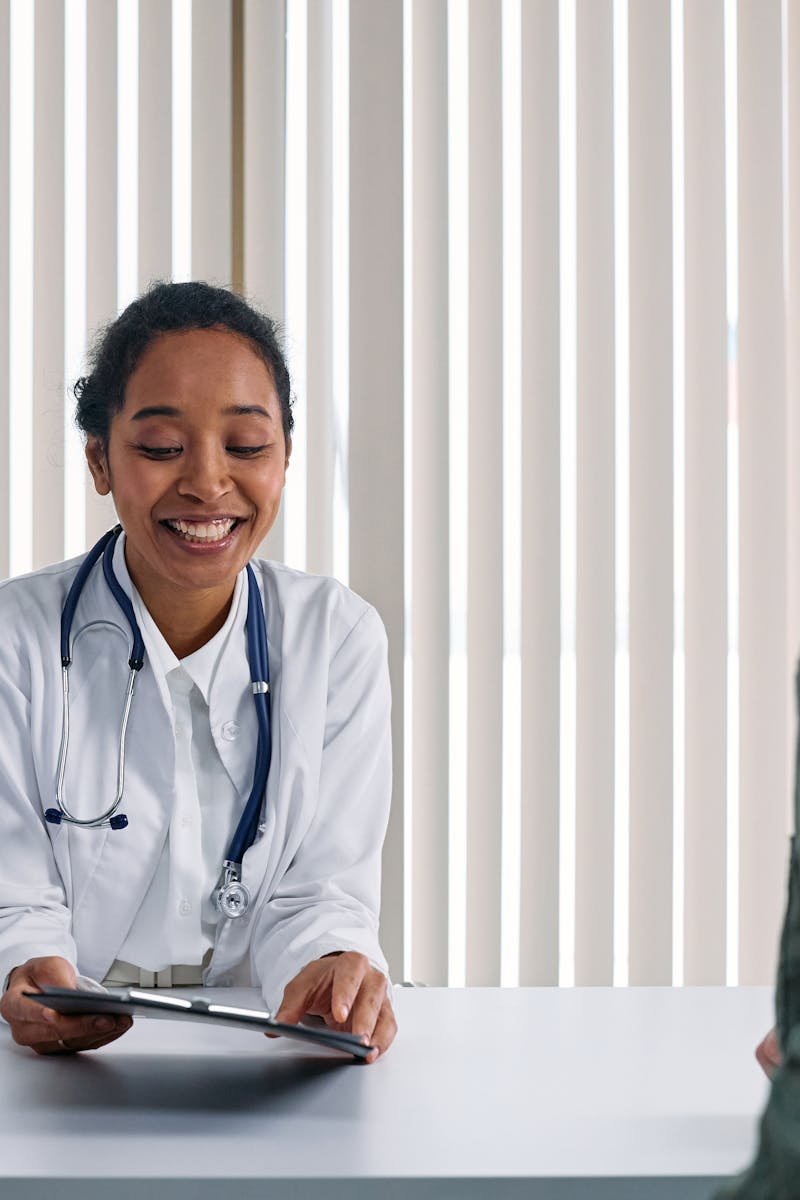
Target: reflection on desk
[536, 1092]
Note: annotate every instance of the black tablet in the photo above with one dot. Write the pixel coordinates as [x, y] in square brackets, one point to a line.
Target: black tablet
[135, 1002]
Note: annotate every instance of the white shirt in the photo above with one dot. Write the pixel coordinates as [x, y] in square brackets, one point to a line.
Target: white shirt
[177, 919]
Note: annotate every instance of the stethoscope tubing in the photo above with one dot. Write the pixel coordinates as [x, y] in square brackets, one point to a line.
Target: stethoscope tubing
[258, 656]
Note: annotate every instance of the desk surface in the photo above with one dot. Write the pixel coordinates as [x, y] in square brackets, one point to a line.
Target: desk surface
[486, 1092]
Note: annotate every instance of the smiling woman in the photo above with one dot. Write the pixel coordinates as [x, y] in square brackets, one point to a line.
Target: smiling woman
[258, 740]
[196, 461]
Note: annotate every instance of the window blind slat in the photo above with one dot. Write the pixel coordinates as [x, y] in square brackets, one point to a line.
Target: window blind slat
[485, 545]
[706, 504]
[651, 494]
[101, 203]
[319, 412]
[376, 370]
[765, 670]
[541, 618]
[155, 141]
[792, 141]
[6, 504]
[594, 913]
[21, 87]
[428, 500]
[48, 286]
[264, 139]
[212, 243]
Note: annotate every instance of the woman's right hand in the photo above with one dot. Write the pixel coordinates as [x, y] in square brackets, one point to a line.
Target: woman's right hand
[45, 1030]
[768, 1053]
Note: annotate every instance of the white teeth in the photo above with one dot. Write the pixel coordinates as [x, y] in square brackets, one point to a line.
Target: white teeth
[203, 531]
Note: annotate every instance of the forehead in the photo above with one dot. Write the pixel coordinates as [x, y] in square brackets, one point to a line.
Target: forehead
[212, 366]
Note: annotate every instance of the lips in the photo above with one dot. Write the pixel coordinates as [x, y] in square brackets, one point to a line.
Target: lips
[208, 531]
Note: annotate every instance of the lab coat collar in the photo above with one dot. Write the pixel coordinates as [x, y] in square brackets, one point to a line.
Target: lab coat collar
[200, 666]
[205, 662]
[222, 675]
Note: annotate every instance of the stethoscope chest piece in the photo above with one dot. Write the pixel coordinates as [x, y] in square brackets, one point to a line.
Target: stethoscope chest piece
[231, 897]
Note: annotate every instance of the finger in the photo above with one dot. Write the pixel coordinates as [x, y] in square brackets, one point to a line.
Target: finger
[384, 1032]
[304, 993]
[67, 1029]
[98, 1043]
[768, 1053]
[367, 1005]
[348, 975]
[772, 1047]
[32, 977]
[74, 1046]
[83, 1027]
[56, 972]
[768, 1064]
[47, 1049]
[293, 1005]
[37, 972]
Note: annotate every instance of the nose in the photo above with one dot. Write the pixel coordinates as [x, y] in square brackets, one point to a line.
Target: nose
[205, 475]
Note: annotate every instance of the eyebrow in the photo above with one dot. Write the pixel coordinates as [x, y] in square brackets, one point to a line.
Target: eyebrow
[167, 410]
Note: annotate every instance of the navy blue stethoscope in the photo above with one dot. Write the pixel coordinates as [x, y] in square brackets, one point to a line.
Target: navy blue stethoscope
[230, 896]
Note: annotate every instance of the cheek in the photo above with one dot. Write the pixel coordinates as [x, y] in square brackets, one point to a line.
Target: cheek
[272, 488]
[134, 489]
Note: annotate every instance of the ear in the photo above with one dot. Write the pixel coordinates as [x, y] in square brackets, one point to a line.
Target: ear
[288, 453]
[98, 465]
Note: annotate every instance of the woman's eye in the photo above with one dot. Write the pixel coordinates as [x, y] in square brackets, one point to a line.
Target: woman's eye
[246, 451]
[160, 451]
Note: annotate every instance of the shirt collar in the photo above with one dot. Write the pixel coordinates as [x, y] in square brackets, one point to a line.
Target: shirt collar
[199, 666]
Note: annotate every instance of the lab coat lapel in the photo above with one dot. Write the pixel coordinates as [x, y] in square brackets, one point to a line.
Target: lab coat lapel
[231, 708]
[114, 867]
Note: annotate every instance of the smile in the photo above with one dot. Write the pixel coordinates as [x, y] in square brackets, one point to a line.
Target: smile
[203, 531]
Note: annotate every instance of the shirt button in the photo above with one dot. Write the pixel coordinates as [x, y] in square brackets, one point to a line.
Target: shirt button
[181, 730]
[184, 908]
[186, 820]
[230, 731]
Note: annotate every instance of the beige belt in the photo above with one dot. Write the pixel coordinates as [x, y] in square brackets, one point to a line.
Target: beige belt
[123, 974]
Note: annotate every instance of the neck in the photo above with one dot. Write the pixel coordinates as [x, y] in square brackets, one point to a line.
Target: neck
[185, 624]
[187, 619]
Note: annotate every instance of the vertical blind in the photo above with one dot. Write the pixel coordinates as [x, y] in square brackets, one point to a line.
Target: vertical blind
[538, 266]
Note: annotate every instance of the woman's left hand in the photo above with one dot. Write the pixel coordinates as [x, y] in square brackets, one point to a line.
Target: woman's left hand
[348, 993]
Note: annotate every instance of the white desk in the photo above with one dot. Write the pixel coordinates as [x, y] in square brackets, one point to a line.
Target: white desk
[536, 1093]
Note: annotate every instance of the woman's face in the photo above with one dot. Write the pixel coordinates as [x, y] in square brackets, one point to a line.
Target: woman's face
[196, 459]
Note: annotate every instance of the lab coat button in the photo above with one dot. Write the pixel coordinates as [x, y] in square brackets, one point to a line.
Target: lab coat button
[230, 731]
[184, 908]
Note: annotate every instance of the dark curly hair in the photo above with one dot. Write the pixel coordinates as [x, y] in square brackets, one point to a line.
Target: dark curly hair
[170, 308]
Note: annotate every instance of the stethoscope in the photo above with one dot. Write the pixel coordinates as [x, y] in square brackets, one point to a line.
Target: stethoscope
[230, 896]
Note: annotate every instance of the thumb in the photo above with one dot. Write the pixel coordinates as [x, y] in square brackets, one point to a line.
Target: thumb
[292, 1007]
[55, 971]
[288, 1014]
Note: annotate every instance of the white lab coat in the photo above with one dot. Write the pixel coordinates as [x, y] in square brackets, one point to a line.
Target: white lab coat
[313, 872]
